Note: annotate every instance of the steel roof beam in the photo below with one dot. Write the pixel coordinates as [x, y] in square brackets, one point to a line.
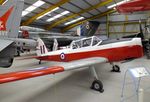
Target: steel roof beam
[2, 1]
[48, 27]
[32, 19]
[88, 19]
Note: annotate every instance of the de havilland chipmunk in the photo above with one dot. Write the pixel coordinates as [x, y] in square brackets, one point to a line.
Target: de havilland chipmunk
[85, 52]
[10, 17]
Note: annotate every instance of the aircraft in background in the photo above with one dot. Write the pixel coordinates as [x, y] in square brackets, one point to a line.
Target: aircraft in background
[85, 52]
[10, 17]
[64, 39]
[134, 6]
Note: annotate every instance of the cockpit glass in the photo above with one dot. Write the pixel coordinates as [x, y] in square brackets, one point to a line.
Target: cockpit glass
[76, 44]
[96, 41]
[86, 42]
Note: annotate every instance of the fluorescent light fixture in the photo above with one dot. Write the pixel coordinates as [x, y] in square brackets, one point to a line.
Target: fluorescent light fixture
[38, 3]
[5, 2]
[32, 7]
[119, 3]
[58, 16]
[24, 13]
[48, 13]
[75, 20]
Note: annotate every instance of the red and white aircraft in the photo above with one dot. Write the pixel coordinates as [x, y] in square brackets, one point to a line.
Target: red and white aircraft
[85, 52]
[133, 6]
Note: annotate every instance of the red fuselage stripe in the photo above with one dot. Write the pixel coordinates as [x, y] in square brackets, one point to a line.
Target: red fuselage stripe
[112, 54]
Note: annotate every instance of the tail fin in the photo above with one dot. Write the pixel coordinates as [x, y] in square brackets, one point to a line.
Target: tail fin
[41, 48]
[55, 45]
[88, 28]
[10, 17]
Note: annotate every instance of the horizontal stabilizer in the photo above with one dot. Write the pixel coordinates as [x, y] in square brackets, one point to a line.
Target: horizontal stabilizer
[20, 75]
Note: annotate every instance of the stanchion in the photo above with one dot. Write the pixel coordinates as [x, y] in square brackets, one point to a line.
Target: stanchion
[136, 74]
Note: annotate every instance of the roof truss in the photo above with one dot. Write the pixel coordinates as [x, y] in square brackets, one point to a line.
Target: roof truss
[49, 27]
[32, 19]
[88, 19]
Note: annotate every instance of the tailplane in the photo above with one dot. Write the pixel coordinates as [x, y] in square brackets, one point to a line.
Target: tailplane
[10, 17]
[41, 48]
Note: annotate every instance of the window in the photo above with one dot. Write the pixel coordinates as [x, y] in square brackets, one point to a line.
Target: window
[86, 42]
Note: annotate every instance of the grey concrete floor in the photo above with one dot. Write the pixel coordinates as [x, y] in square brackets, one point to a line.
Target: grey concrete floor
[70, 86]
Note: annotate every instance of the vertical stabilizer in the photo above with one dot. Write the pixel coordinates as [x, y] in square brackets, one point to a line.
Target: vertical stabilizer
[88, 29]
[41, 48]
[10, 18]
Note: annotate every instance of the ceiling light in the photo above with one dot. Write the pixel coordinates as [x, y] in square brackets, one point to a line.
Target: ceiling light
[32, 7]
[58, 16]
[48, 13]
[75, 20]
[119, 3]
[24, 13]
[38, 3]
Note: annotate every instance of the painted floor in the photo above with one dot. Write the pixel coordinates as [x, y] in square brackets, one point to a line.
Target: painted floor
[71, 86]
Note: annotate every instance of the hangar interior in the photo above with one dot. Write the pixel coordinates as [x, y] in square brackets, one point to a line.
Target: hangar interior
[65, 20]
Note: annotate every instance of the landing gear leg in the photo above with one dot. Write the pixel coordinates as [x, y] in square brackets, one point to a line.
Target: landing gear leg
[97, 84]
[40, 62]
[115, 68]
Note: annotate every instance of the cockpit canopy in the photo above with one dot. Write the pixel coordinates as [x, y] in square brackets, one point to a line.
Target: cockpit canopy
[85, 42]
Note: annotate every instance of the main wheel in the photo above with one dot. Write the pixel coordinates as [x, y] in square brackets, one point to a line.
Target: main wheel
[97, 85]
[115, 68]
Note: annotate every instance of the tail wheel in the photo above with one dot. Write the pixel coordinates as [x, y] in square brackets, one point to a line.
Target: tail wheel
[40, 62]
[115, 68]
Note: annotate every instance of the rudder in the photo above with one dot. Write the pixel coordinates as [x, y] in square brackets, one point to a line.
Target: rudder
[10, 18]
[41, 48]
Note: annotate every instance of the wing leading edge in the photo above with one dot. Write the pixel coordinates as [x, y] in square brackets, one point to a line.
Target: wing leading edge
[4, 44]
[30, 73]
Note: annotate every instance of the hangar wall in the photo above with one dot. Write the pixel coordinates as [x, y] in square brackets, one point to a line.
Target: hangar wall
[117, 25]
[120, 25]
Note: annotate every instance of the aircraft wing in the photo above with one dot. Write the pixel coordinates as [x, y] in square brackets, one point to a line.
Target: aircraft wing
[35, 72]
[84, 63]
[4, 44]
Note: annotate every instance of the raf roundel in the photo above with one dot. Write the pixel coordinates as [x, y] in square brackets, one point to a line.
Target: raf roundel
[62, 56]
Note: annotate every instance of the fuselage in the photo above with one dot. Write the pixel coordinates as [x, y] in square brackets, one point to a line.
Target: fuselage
[113, 51]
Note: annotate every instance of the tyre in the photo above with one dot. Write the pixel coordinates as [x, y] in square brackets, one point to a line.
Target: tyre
[97, 85]
[116, 68]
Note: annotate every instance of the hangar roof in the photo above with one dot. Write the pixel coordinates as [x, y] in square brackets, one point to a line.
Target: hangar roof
[64, 14]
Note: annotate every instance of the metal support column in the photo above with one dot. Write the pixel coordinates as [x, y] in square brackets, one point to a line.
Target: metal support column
[107, 25]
